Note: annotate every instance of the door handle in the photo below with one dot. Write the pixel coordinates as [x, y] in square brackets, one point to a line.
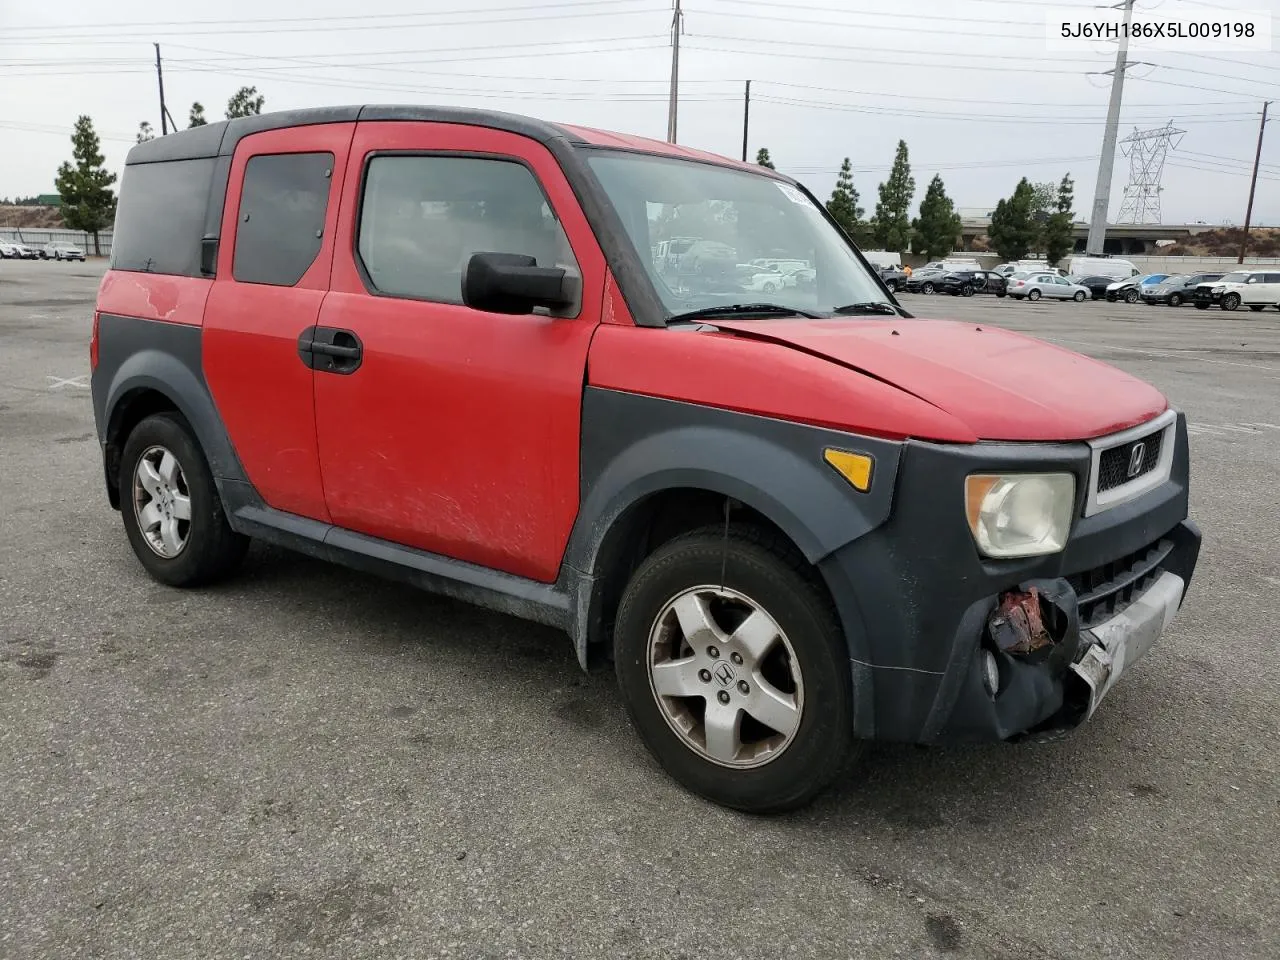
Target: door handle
[330, 350]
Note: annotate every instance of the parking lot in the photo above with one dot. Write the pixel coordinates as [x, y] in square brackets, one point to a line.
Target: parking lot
[309, 760]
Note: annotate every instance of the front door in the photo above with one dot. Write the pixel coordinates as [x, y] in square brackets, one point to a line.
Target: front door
[446, 428]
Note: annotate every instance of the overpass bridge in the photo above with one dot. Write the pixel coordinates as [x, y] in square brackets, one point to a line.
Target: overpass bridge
[1121, 239]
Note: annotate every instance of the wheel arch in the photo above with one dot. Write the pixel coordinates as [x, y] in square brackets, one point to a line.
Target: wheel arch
[692, 466]
[151, 381]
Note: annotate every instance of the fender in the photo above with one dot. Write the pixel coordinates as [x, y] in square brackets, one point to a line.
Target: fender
[634, 446]
[169, 364]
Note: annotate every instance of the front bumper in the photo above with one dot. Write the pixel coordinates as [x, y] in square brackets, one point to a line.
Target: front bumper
[917, 601]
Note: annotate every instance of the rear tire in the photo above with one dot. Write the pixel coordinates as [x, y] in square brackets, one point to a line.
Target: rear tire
[1033, 295]
[172, 513]
[802, 680]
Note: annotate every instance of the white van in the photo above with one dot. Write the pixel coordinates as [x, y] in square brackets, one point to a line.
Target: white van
[1112, 267]
[883, 258]
[952, 264]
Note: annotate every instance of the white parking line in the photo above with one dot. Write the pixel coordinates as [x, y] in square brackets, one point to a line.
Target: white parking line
[59, 382]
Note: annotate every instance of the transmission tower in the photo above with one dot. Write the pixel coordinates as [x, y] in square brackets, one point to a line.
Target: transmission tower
[1146, 150]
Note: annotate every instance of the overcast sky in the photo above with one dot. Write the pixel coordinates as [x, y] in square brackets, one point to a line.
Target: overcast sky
[971, 85]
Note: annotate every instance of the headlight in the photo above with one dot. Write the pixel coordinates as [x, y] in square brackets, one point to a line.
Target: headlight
[1218, 289]
[1020, 514]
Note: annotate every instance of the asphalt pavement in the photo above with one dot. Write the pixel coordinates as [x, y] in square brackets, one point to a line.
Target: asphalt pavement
[309, 761]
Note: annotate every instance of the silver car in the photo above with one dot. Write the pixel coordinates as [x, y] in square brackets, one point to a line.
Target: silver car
[1033, 286]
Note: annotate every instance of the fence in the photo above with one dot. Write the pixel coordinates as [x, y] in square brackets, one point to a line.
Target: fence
[38, 236]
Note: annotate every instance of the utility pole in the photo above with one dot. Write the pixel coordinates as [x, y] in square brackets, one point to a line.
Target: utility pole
[1102, 191]
[677, 28]
[746, 117]
[1253, 183]
[164, 114]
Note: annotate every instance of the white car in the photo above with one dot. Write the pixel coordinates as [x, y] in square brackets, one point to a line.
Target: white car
[1033, 286]
[61, 250]
[1259, 290]
[20, 251]
[8, 250]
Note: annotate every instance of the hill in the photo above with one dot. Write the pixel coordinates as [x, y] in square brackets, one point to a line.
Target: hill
[1263, 242]
[15, 216]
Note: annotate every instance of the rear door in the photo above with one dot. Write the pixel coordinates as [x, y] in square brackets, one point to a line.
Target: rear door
[456, 431]
[274, 260]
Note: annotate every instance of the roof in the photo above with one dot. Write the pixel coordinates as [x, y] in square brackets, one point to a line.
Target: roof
[220, 138]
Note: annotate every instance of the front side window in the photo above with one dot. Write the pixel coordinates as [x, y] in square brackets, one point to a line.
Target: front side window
[422, 218]
[712, 236]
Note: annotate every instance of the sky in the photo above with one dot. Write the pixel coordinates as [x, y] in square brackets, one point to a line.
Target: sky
[972, 86]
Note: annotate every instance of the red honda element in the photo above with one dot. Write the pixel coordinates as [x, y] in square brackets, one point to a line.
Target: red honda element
[649, 395]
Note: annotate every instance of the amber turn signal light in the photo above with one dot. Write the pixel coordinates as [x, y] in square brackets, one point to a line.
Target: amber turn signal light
[854, 467]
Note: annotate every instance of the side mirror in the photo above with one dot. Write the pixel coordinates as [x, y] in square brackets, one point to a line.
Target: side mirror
[513, 283]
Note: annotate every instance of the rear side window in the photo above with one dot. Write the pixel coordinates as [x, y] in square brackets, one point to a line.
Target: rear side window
[281, 217]
[422, 217]
[160, 217]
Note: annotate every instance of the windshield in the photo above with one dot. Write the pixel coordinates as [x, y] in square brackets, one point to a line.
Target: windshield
[712, 236]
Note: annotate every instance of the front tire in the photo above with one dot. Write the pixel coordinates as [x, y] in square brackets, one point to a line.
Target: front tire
[926, 287]
[1131, 296]
[734, 670]
[172, 513]
[1079, 296]
[1231, 301]
[1175, 300]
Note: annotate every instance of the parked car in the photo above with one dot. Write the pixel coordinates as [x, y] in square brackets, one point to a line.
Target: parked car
[1176, 290]
[61, 250]
[21, 251]
[1130, 289]
[1255, 289]
[1037, 285]
[787, 537]
[1097, 285]
[8, 250]
[965, 283]
[924, 280]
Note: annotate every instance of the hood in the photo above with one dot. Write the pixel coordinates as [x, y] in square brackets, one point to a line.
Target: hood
[1002, 385]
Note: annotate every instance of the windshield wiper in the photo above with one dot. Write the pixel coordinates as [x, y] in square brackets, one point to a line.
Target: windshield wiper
[869, 306]
[730, 309]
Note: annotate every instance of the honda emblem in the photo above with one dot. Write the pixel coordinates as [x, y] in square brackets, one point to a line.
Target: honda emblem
[1136, 456]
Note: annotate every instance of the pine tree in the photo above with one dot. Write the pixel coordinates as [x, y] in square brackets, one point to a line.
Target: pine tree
[1057, 230]
[88, 203]
[892, 224]
[196, 117]
[936, 230]
[1014, 231]
[246, 102]
[762, 158]
[145, 132]
[843, 205]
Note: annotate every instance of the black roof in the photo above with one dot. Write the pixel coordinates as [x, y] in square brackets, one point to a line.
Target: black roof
[220, 138]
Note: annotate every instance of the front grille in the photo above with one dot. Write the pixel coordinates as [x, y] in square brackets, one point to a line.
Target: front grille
[1106, 590]
[1115, 465]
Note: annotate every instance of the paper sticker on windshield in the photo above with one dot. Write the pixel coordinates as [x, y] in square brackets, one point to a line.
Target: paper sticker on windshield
[792, 194]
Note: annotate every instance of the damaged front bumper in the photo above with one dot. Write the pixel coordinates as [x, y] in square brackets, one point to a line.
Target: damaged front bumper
[948, 647]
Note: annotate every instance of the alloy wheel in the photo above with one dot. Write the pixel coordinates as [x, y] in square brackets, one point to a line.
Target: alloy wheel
[162, 502]
[725, 677]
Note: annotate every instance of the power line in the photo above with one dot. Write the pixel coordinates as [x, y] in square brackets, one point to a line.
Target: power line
[869, 60]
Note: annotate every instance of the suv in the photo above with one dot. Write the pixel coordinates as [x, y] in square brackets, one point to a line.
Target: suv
[435, 344]
[61, 250]
[1256, 289]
